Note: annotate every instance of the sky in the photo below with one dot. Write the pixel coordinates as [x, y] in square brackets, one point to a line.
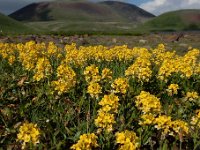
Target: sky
[156, 7]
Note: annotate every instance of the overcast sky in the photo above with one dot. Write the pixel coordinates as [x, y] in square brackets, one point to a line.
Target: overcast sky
[154, 6]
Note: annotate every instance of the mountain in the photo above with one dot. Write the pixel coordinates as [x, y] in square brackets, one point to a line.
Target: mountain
[188, 19]
[81, 11]
[129, 11]
[75, 17]
[9, 25]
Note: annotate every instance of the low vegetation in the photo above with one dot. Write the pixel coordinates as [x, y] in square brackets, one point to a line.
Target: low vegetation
[11, 26]
[98, 97]
[174, 21]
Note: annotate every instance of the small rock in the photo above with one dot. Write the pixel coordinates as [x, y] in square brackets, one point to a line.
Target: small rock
[142, 41]
[183, 45]
[114, 40]
[66, 38]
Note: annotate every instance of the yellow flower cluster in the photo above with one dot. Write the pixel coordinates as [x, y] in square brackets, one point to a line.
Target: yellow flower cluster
[120, 85]
[180, 127]
[86, 142]
[128, 140]
[172, 89]
[141, 52]
[52, 50]
[75, 56]
[109, 103]
[186, 65]
[79, 56]
[8, 51]
[167, 63]
[195, 121]
[147, 119]
[163, 123]
[192, 96]
[28, 132]
[159, 54]
[105, 117]
[170, 127]
[92, 73]
[66, 79]
[94, 89]
[105, 120]
[43, 69]
[106, 74]
[141, 68]
[168, 67]
[92, 77]
[33, 56]
[147, 103]
[29, 54]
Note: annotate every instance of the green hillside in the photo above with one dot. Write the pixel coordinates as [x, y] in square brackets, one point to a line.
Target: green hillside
[9, 25]
[173, 21]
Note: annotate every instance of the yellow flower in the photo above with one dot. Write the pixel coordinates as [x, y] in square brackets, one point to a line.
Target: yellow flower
[66, 79]
[110, 103]
[180, 127]
[120, 85]
[148, 103]
[140, 69]
[127, 140]
[94, 89]
[172, 89]
[28, 132]
[105, 120]
[106, 74]
[191, 96]
[11, 59]
[92, 74]
[147, 119]
[86, 142]
[51, 49]
[43, 69]
[163, 123]
[195, 121]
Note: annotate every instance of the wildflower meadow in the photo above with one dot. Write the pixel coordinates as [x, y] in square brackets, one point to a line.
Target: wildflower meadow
[98, 97]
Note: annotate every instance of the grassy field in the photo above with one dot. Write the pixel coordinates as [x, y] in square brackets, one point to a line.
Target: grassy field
[98, 97]
[10, 26]
[82, 27]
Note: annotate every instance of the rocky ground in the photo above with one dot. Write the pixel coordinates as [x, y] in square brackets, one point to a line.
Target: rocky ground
[179, 41]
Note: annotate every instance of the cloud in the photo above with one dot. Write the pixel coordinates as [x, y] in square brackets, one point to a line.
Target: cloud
[160, 6]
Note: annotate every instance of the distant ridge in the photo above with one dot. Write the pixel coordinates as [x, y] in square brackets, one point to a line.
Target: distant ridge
[133, 12]
[188, 19]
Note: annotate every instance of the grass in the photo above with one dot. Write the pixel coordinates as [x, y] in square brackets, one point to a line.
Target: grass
[10, 26]
[82, 27]
[173, 21]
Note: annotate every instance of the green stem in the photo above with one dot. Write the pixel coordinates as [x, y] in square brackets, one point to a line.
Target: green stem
[88, 117]
[180, 147]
